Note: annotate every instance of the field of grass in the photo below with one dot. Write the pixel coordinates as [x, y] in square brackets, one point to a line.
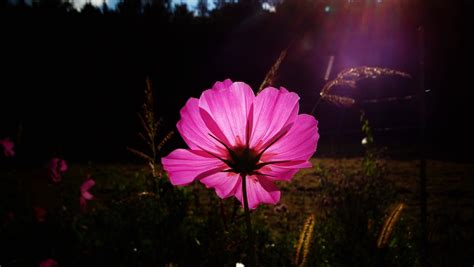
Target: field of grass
[124, 198]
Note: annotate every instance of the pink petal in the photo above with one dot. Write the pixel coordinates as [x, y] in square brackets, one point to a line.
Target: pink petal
[225, 183]
[185, 166]
[85, 189]
[63, 166]
[87, 185]
[86, 195]
[259, 190]
[284, 171]
[277, 173]
[7, 147]
[297, 146]
[195, 132]
[215, 130]
[54, 171]
[273, 111]
[222, 85]
[229, 109]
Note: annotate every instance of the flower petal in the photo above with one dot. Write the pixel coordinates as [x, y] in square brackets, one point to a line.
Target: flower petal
[87, 185]
[229, 108]
[194, 131]
[273, 111]
[57, 167]
[225, 183]
[259, 190]
[87, 195]
[278, 173]
[185, 166]
[297, 146]
[222, 85]
[62, 165]
[8, 146]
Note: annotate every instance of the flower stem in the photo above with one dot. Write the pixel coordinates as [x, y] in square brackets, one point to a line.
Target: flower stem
[248, 222]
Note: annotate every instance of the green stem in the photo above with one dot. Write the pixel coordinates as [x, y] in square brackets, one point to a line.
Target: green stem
[250, 234]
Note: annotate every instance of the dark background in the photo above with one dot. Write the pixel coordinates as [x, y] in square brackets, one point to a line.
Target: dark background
[72, 82]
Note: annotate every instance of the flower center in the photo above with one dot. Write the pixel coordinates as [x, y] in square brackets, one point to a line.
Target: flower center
[243, 160]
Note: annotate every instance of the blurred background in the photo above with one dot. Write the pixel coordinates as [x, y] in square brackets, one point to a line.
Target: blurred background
[73, 72]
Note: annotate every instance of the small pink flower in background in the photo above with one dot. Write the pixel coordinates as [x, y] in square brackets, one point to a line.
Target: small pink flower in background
[57, 167]
[48, 263]
[40, 214]
[85, 194]
[8, 146]
[232, 133]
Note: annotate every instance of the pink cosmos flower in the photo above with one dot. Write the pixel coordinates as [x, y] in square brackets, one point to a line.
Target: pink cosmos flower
[48, 263]
[85, 195]
[7, 147]
[232, 133]
[57, 167]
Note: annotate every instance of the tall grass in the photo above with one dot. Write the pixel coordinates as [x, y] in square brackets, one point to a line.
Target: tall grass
[304, 241]
[149, 135]
[389, 224]
[349, 78]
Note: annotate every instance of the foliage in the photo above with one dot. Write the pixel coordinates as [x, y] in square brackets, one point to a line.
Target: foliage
[132, 221]
[371, 164]
[350, 217]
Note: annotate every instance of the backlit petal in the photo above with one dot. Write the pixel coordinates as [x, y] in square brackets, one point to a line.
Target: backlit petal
[185, 166]
[87, 185]
[298, 145]
[225, 183]
[273, 111]
[195, 132]
[222, 85]
[87, 195]
[229, 109]
[259, 190]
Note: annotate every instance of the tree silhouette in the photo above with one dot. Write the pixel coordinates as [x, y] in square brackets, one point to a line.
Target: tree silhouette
[90, 10]
[220, 3]
[48, 3]
[202, 8]
[130, 7]
[182, 13]
[105, 7]
[158, 10]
